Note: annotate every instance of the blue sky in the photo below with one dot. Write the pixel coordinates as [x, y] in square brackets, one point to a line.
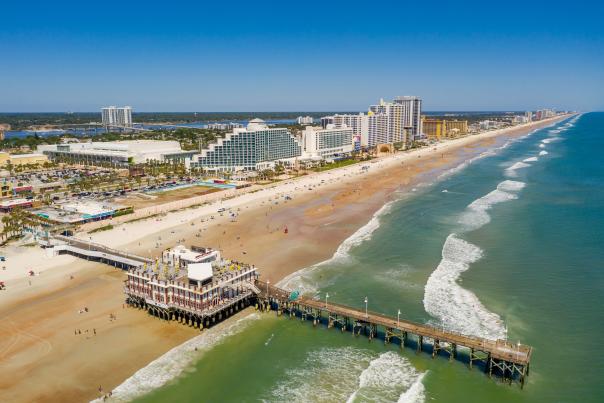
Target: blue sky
[287, 56]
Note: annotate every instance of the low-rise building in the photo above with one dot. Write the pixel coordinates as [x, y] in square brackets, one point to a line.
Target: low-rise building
[182, 257]
[22, 159]
[11, 204]
[10, 187]
[223, 126]
[115, 153]
[79, 212]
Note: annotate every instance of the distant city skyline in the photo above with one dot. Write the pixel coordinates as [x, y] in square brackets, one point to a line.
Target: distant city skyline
[74, 56]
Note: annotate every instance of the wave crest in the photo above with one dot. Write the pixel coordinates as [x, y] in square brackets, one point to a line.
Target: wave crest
[457, 308]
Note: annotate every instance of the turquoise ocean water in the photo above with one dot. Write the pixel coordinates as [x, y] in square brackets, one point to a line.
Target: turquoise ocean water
[508, 245]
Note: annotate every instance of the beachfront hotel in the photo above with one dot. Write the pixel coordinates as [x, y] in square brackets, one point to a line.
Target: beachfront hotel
[255, 147]
[436, 129]
[398, 121]
[328, 143]
[113, 116]
[359, 124]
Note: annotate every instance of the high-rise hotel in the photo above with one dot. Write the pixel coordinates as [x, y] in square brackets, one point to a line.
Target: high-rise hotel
[113, 116]
[398, 121]
[256, 147]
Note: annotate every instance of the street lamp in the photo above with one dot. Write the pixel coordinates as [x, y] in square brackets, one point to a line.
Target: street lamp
[326, 296]
[366, 313]
[398, 318]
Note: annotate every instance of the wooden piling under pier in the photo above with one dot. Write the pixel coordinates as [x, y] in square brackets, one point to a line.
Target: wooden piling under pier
[191, 317]
[500, 357]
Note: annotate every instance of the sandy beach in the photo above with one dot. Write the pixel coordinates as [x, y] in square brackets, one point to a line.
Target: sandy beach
[39, 338]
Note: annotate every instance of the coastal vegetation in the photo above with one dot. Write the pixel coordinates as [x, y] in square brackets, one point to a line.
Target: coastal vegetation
[14, 223]
[22, 121]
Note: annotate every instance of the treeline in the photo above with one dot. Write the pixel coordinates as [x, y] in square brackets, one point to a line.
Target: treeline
[21, 121]
[189, 138]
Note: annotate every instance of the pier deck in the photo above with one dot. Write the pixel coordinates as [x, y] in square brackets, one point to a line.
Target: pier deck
[509, 360]
[95, 251]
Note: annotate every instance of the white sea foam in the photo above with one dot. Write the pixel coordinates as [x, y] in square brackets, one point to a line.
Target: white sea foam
[303, 281]
[325, 375]
[531, 159]
[476, 214]
[459, 309]
[542, 145]
[511, 171]
[173, 363]
[511, 186]
[416, 393]
[546, 141]
[518, 165]
[388, 378]
[543, 152]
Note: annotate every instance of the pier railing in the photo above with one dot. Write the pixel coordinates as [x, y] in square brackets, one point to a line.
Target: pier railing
[510, 360]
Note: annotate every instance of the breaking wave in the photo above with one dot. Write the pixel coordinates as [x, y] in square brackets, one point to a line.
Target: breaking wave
[416, 393]
[349, 374]
[389, 378]
[326, 375]
[457, 308]
[476, 214]
[173, 363]
[543, 152]
[531, 159]
[511, 171]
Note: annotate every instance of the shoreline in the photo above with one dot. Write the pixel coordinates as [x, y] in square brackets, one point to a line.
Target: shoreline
[320, 217]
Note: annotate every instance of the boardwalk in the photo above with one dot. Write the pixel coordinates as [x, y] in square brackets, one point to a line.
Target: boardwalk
[94, 251]
[511, 361]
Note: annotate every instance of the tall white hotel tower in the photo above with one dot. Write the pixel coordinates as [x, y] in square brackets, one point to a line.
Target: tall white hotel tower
[117, 116]
[396, 121]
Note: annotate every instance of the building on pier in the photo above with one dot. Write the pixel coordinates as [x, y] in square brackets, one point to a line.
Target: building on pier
[197, 291]
[181, 256]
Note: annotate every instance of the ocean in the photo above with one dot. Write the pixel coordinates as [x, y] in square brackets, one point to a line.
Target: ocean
[509, 244]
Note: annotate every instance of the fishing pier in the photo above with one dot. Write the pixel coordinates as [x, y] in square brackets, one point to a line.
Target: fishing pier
[501, 358]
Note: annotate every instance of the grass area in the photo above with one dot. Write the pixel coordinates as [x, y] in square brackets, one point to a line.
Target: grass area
[337, 164]
[103, 228]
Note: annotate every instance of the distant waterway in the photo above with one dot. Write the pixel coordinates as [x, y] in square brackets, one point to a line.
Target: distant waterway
[507, 245]
[96, 131]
